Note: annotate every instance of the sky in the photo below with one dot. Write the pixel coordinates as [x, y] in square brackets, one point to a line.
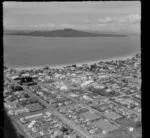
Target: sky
[105, 16]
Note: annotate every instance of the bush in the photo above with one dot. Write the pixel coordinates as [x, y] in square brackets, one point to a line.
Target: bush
[138, 124]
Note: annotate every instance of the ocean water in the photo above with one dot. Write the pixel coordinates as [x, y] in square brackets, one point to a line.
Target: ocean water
[26, 51]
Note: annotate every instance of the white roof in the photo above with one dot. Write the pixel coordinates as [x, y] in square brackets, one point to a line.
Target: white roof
[41, 132]
[73, 74]
[13, 77]
[86, 83]
[108, 90]
[99, 86]
[104, 132]
[33, 115]
[86, 97]
[63, 88]
[102, 76]
[57, 75]
[74, 95]
[131, 128]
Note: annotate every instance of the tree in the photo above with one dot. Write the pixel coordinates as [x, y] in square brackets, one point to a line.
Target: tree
[59, 136]
[46, 68]
[74, 65]
[64, 129]
[138, 124]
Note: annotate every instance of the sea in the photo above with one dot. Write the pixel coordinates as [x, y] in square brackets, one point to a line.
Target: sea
[27, 51]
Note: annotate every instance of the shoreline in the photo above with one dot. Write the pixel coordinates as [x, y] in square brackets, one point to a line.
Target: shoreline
[76, 63]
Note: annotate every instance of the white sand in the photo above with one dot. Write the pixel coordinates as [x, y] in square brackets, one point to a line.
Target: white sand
[78, 63]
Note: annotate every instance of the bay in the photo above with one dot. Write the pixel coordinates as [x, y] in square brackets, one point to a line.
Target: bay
[26, 51]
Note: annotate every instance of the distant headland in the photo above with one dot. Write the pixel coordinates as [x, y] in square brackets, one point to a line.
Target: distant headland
[67, 32]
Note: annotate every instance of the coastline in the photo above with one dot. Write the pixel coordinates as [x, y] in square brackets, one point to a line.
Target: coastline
[59, 66]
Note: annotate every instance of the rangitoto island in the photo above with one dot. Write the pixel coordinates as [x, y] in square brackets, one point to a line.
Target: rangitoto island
[67, 32]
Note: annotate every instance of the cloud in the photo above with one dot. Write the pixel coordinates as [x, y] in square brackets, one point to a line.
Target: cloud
[101, 24]
[134, 17]
[86, 21]
[66, 25]
[105, 20]
[43, 25]
[76, 7]
[130, 18]
[51, 25]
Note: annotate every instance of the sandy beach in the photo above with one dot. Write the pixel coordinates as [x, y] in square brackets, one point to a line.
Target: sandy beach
[78, 63]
